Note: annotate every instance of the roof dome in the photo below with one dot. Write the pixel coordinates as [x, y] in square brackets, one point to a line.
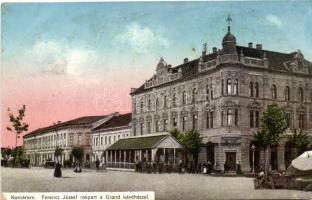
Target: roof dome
[229, 38]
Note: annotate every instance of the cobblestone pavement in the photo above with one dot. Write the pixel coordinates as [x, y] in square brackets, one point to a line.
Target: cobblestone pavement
[166, 186]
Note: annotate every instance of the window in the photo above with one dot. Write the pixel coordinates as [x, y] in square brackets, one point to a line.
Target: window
[300, 93]
[287, 93]
[183, 123]
[105, 140]
[222, 87]
[251, 118]
[101, 141]
[194, 121]
[229, 86]
[149, 104]
[141, 106]
[211, 91]
[251, 91]
[71, 140]
[174, 100]
[273, 92]
[134, 108]
[157, 103]
[207, 92]
[208, 120]
[211, 119]
[257, 119]
[157, 125]
[236, 87]
[288, 119]
[114, 138]
[148, 127]
[229, 116]
[256, 89]
[183, 97]
[236, 117]
[118, 137]
[165, 101]
[165, 124]
[301, 120]
[194, 95]
[141, 128]
[175, 122]
[134, 130]
[79, 138]
[109, 140]
[222, 123]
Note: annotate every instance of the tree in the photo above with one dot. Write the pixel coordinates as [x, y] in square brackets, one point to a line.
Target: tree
[273, 127]
[17, 124]
[58, 152]
[298, 140]
[175, 133]
[191, 141]
[77, 153]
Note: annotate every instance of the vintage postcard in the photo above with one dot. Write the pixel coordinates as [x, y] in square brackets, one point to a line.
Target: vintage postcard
[156, 100]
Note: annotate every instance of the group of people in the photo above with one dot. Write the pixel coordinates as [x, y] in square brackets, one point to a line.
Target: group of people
[58, 169]
[152, 167]
[190, 167]
[227, 167]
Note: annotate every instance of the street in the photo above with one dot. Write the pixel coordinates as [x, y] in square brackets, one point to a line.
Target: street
[166, 186]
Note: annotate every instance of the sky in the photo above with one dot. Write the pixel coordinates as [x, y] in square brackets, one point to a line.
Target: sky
[66, 60]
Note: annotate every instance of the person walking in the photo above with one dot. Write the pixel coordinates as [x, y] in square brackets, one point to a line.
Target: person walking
[97, 164]
[57, 170]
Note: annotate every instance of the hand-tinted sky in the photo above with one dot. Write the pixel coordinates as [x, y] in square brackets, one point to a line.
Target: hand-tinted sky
[65, 60]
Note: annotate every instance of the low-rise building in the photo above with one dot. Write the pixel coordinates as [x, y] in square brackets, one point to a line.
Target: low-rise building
[40, 144]
[108, 132]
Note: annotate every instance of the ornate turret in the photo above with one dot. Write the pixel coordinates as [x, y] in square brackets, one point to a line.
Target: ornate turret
[229, 40]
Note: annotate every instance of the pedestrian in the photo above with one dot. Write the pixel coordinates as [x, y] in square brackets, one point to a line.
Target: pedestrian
[57, 170]
[97, 164]
[180, 166]
[225, 167]
[238, 168]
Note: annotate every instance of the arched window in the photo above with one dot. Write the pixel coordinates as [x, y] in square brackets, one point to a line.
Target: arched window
[211, 91]
[194, 92]
[141, 128]
[194, 121]
[301, 120]
[229, 86]
[157, 125]
[157, 103]
[287, 93]
[229, 116]
[273, 92]
[165, 124]
[207, 92]
[236, 117]
[256, 89]
[183, 97]
[149, 104]
[165, 101]
[236, 87]
[251, 89]
[300, 93]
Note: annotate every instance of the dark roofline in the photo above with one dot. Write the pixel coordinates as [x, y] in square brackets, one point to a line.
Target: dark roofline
[67, 124]
[116, 122]
[141, 89]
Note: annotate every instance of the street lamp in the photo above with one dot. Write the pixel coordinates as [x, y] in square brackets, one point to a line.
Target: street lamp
[253, 147]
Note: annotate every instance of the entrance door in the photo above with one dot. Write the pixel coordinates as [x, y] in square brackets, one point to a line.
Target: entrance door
[231, 160]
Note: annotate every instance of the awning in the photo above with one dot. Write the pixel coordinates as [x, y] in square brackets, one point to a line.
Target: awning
[149, 141]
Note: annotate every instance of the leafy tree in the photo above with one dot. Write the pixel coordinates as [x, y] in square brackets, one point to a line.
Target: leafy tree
[17, 124]
[298, 140]
[191, 141]
[175, 133]
[273, 126]
[19, 155]
[58, 151]
[77, 153]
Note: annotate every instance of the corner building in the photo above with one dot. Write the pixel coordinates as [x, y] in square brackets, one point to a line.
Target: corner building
[223, 95]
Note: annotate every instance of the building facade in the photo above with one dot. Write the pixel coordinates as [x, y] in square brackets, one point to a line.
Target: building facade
[40, 144]
[223, 94]
[108, 132]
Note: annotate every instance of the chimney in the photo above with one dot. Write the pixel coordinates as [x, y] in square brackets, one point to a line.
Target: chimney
[204, 49]
[185, 60]
[250, 45]
[259, 46]
[214, 50]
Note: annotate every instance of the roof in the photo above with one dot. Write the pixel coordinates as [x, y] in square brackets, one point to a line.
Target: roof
[115, 122]
[139, 142]
[276, 63]
[87, 120]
